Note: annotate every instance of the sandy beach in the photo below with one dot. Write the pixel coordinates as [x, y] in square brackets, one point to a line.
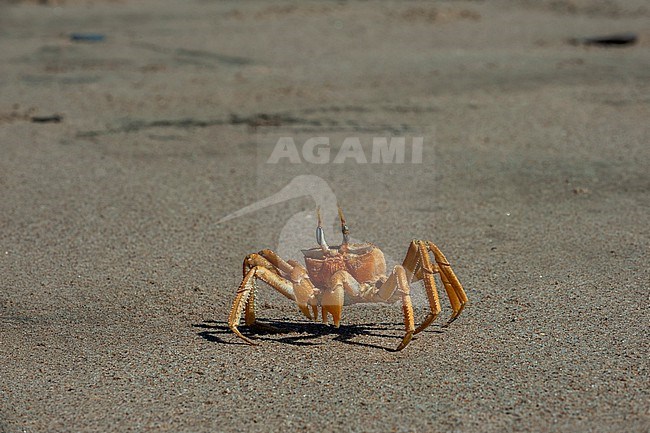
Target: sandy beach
[133, 133]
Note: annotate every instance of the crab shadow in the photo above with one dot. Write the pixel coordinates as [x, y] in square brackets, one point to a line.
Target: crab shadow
[309, 333]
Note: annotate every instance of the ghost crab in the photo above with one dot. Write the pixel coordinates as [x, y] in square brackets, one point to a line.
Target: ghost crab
[334, 276]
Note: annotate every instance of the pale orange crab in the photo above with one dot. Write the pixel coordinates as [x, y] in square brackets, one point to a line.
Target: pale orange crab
[348, 274]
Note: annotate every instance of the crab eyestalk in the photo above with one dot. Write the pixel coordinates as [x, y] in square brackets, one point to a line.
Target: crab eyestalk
[344, 230]
[320, 234]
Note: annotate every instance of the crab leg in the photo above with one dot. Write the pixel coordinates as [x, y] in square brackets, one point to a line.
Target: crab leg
[244, 292]
[454, 289]
[284, 267]
[294, 271]
[407, 306]
[250, 262]
[426, 273]
[418, 266]
[422, 269]
[387, 290]
[398, 282]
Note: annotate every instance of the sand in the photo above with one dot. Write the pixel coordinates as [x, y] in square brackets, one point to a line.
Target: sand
[118, 272]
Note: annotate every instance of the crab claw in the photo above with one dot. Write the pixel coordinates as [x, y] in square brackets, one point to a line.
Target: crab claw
[307, 304]
[332, 302]
[303, 289]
